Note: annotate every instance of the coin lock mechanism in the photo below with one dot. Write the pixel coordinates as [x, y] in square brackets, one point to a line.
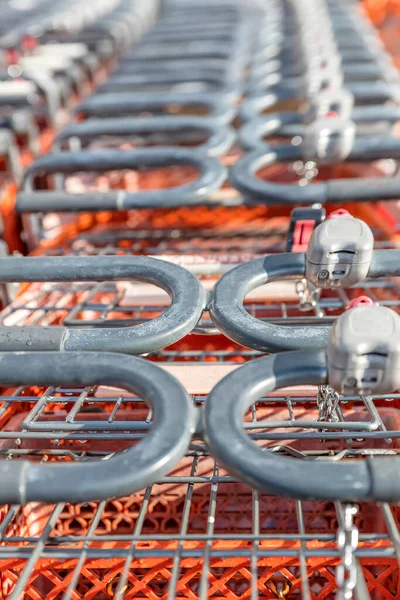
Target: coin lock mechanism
[339, 252]
[328, 140]
[364, 351]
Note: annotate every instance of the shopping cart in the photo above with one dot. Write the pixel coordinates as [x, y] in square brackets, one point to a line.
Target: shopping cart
[339, 255]
[198, 531]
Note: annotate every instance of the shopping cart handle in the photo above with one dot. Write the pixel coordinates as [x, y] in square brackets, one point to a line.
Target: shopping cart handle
[353, 71]
[243, 176]
[114, 104]
[225, 32]
[231, 318]
[216, 65]
[218, 138]
[186, 293]
[285, 48]
[211, 175]
[122, 473]
[364, 93]
[150, 50]
[370, 120]
[353, 78]
[254, 131]
[214, 82]
[373, 479]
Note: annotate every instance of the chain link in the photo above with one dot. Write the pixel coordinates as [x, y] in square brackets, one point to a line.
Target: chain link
[347, 541]
[327, 400]
[308, 295]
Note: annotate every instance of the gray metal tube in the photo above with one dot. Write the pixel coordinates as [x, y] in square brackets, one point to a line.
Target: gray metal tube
[219, 138]
[355, 481]
[231, 318]
[213, 82]
[128, 103]
[121, 474]
[363, 93]
[186, 293]
[211, 176]
[370, 120]
[243, 176]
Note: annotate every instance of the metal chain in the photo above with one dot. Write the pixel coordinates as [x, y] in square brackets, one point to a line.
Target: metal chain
[308, 295]
[327, 400]
[347, 541]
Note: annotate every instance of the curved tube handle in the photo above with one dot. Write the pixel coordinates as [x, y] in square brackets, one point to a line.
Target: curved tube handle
[179, 319]
[372, 479]
[354, 78]
[213, 49]
[219, 138]
[128, 103]
[231, 318]
[285, 124]
[211, 176]
[364, 93]
[352, 70]
[243, 176]
[370, 120]
[123, 473]
[137, 82]
[217, 65]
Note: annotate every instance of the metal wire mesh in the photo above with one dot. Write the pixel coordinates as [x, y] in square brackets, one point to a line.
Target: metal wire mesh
[197, 532]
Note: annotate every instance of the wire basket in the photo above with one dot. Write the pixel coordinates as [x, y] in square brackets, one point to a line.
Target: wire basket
[225, 214]
[198, 532]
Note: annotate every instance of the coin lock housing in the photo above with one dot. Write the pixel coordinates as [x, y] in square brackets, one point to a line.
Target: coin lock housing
[339, 253]
[364, 351]
[328, 140]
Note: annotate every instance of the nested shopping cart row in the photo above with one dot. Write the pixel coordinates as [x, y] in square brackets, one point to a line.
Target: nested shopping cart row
[169, 166]
[370, 418]
[189, 519]
[46, 70]
[198, 530]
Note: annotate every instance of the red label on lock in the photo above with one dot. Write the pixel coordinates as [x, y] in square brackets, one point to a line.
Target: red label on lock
[301, 235]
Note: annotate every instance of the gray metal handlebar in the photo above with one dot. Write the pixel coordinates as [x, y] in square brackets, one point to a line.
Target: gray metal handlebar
[243, 176]
[364, 93]
[127, 103]
[370, 120]
[231, 318]
[219, 138]
[123, 473]
[373, 479]
[179, 319]
[211, 176]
